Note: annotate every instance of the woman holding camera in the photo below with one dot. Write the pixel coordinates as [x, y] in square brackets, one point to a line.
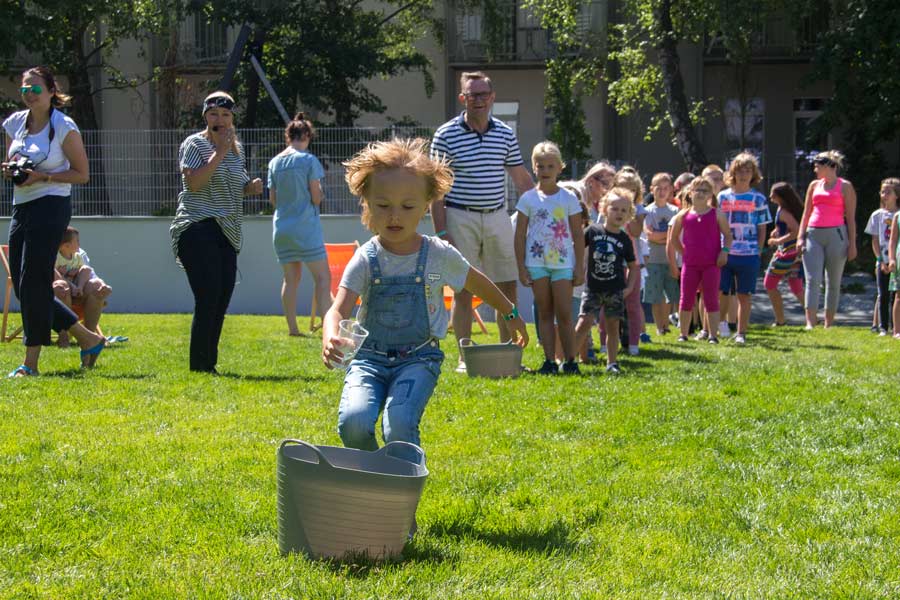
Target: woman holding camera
[45, 156]
[206, 232]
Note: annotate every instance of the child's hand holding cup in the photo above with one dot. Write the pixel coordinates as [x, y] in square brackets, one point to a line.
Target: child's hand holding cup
[341, 349]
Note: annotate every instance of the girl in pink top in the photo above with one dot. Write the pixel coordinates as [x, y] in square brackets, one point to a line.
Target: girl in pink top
[827, 237]
[697, 233]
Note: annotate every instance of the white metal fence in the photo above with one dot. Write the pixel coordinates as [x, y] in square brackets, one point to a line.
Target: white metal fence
[135, 172]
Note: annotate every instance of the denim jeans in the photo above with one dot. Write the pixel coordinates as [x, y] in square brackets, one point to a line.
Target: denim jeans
[401, 387]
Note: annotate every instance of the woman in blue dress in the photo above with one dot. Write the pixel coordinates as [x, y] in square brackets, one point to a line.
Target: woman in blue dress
[295, 191]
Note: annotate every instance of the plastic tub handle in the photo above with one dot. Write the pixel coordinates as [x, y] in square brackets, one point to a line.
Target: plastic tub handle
[386, 450]
[321, 457]
[466, 343]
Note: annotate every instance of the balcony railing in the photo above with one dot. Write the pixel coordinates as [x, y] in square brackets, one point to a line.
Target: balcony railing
[776, 39]
[203, 43]
[510, 33]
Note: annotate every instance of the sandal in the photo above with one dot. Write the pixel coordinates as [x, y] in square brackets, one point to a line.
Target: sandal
[89, 356]
[23, 371]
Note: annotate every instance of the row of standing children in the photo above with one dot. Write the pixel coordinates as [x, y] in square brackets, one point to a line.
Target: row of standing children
[883, 227]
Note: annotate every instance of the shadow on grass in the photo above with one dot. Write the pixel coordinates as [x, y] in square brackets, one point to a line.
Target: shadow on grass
[273, 378]
[421, 550]
[550, 538]
[635, 362]
[77, 373]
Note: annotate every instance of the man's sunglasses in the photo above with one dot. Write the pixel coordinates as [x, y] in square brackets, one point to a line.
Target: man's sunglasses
[478, 96]
[34, 89]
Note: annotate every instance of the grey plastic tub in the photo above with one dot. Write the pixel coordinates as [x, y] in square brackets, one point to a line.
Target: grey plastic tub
[333, 501]
[491, 360]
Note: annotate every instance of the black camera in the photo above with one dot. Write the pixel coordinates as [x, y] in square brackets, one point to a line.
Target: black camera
[17, 169]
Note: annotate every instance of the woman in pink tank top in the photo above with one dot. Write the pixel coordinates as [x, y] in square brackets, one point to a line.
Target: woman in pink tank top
[827, 236]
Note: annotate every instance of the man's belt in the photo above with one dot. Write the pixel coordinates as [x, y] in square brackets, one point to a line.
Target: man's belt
[458, 206]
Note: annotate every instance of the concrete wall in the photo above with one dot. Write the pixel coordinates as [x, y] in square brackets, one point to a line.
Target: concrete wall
[134, 255]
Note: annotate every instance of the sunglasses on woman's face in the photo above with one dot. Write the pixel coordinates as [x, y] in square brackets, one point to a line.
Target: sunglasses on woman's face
[34, 89]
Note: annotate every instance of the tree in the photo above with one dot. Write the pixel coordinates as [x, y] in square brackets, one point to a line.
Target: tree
[860, 52]
[572, 72]
[77, 40]
[318, 53]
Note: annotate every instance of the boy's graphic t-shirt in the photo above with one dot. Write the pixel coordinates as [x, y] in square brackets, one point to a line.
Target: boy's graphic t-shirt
[880, 225]
[549, 243]
[69, 267]
[657, 220]
[608, 255]
[444, 266]
[745, 212]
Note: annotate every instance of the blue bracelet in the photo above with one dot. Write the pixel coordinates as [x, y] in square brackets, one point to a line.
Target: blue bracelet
[514, 314]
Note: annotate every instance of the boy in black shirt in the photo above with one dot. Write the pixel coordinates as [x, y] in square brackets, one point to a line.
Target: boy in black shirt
[609, 251]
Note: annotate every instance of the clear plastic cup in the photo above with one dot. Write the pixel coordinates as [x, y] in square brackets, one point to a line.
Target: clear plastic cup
[352, 336]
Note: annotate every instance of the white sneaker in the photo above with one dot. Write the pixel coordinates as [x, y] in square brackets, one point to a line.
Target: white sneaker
[740, 339]
[634, 350]
[461, 367]
[674, 320]
[723, 330]
[602, 349]
[703, 335]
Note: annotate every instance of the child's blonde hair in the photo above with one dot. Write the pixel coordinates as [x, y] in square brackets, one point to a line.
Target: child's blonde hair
[661, 177]
[628, 178]
[744, 159]
[399, 153]
[547, 148]
[618, 191]
[830, 158]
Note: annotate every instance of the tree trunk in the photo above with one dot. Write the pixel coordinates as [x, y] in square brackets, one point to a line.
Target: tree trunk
[91, 199]
[686, 138]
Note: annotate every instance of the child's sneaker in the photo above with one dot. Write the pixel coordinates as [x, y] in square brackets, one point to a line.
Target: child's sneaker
[645, 338]
[673, 319]
[634, 350]
[613, 369]
[548, 368]
[570, 367]
[874, 329]
[683, 338]
[602, 349]
[881, 333]
[703, 335]
[713, 340]
[724, 330]
[740, 339]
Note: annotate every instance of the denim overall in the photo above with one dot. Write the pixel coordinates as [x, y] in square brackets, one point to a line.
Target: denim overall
[397, 367]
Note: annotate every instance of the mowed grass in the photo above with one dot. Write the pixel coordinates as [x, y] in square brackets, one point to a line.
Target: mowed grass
[768, 471]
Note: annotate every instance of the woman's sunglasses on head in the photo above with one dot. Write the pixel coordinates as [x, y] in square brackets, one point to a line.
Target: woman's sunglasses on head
[825, 162]
[34, 89]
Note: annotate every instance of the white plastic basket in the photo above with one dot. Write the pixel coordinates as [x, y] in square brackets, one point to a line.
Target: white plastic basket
[491, 360]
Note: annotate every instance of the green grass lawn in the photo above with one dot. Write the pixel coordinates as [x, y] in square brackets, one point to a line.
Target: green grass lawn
[770, 470]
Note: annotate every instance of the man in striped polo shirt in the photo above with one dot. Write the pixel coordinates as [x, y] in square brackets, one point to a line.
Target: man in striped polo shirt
[473, 216]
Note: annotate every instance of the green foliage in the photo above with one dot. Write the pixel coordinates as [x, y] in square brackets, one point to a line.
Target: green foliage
[318, 54]
[770, 471]
[572, 72]
[860, 53]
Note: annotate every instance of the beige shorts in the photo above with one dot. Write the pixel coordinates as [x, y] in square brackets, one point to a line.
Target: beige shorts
[486, 241]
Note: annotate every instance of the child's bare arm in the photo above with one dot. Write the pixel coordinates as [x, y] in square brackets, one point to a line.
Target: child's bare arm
[578, 239]
[519, 246]
[892, 247]
[484, 288]
[675, 238]
[341, 308]
[634, 275]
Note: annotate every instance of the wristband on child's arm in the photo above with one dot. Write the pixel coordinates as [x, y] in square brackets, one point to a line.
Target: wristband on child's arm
[441, 233]
[513, 314]
[726, 249]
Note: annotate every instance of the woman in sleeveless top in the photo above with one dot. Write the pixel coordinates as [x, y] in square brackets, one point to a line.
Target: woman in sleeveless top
[827, 237]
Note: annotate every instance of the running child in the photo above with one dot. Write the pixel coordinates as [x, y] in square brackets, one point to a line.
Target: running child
[879, 227]
[550, 255]
[610, 251]
[400, 276]
[786, 262]
[697, 233]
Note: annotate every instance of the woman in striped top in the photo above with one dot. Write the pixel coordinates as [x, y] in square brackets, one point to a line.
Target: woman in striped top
[206, 231]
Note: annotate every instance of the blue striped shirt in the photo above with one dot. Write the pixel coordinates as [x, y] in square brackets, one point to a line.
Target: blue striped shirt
[478, 160]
